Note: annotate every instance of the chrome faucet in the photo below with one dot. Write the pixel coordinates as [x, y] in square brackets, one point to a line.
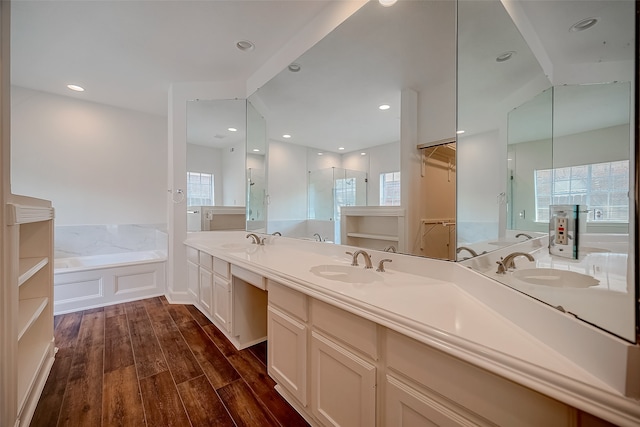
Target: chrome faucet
[523, 234]
[277, 233]
[464, 248]
[509, 261]
[318, 237]
[390, 248]
[255, 239]
[367, 258]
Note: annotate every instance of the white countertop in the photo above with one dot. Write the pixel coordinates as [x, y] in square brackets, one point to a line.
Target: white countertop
[427, 307]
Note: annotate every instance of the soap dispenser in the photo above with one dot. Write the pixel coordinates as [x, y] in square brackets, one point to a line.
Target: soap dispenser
[565, 225]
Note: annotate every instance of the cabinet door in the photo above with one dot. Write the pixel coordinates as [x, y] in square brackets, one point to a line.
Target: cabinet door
[343, 385]
[287, 358]
[193, 279]
[206, 287]
[222, 303]
[407, 407]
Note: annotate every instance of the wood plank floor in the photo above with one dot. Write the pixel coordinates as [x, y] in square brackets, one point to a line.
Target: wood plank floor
[151, 363]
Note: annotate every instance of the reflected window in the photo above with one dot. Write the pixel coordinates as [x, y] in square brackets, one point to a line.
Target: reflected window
[346, 192]
[390, 189]
[603, 187]
[199, 189]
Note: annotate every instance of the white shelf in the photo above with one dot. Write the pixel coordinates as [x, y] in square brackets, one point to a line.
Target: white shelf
[28, 312]
[30, 365]
[374, 236]
[30, 266]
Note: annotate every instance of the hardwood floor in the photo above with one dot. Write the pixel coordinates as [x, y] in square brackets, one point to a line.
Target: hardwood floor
[151, 363]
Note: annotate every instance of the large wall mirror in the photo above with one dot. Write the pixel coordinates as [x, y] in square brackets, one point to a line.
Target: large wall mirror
[545, 101]
[334, 120]
[216, 151]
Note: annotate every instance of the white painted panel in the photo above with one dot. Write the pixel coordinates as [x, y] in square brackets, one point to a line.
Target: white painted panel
[134, 282]
[78, 290]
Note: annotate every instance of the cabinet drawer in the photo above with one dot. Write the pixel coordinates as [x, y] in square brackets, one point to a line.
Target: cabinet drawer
[249, 276]
[206, 261]
[192, 254]
[288, 299]
[507, 404]
[353, 330]
[221, 267]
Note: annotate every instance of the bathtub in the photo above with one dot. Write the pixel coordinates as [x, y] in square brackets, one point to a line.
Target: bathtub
[97, 280]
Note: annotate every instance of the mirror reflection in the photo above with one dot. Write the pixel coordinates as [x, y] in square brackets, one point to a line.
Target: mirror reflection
[545, 173]
[337, 162]
[216, 134]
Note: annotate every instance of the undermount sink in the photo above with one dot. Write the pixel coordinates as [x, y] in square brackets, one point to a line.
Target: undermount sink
[345, 273]
[555, 278]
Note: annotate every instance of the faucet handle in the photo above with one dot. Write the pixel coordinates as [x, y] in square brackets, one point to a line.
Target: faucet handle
[381, 265]
[502, 269]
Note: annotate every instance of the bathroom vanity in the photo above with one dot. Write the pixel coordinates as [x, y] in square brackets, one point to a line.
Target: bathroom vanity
[424, 341]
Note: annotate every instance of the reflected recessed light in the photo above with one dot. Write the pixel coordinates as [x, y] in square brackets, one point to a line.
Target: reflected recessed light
[320, 154]
[340, 148]
[232, 130]
[384, 107]
[245, 45]
[363, 154]
[387, 3]
[459, 132]
[76, 88]
[505, 56]
[286, 135]
[585, 24]
[256, 150]
[294, 68]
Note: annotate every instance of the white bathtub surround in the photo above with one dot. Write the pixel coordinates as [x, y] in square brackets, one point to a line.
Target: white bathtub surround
[83, 240]
[460, 312]
[98, 280]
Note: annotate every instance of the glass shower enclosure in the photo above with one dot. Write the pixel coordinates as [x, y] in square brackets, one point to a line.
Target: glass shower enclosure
[329, 190]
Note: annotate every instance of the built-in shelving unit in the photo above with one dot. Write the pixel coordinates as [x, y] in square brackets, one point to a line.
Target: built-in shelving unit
[372, 227]
[28, 330]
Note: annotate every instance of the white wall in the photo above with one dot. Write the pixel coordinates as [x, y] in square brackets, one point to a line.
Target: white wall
[287, 181]
[234, 175]
[97, 164]
[380, 159]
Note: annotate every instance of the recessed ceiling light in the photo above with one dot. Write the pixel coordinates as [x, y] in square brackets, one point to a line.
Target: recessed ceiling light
[505, 56]
[340, 148]
[384, 107]
[245, 45]
[232, 130]
[294, 68]
[76, 88]
[459, 132]
[387, 3]
[363, 154]
[286, 135]
[320, 154]
[256, 149]
[585, 24]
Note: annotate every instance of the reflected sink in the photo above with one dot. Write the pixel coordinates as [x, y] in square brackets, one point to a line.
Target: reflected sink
[346, 273]
[555, 278]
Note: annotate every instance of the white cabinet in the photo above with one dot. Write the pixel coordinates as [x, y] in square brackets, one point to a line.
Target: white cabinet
[343, 391]
[287, 337]
[193, 273]
[27, 326]
[222, 303]
[206, 289]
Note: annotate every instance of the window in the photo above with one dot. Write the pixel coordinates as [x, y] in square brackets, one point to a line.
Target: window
[390, 189]
[603, 187]
[345, 192]
[199, 189]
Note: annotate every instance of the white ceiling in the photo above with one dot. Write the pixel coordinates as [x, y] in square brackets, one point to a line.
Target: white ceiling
[127, 53]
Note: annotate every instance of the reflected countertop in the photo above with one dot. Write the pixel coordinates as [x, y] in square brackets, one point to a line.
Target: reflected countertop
[450, 307]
